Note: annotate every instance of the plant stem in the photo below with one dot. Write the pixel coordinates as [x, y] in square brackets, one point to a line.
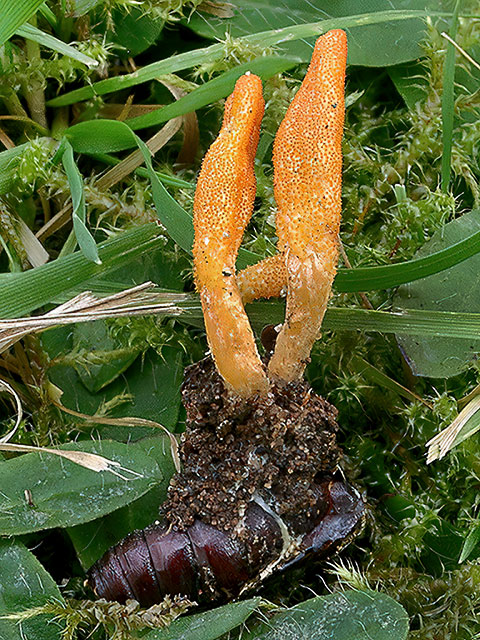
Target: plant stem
[13, 104]
[448, 102]
[34, 93]
[60, 122]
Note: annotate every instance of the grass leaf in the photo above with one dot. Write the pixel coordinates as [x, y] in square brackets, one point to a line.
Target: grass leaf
[385, 277]
[14, 14]
[84, 238]
[213, 90]
[31, 32]
[41, 285]
[448, 102]
[216, 52]
[471, 541]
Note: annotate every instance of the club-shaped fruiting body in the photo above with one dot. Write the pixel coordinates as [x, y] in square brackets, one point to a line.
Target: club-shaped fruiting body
[222, 208]
[307, 159]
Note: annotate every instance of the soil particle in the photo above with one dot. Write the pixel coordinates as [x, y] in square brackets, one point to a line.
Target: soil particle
[278, 448]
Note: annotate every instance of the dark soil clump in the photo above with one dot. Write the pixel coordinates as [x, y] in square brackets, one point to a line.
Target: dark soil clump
[277, 448]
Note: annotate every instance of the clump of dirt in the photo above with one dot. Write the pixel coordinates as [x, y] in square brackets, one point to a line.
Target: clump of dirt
[279, 448]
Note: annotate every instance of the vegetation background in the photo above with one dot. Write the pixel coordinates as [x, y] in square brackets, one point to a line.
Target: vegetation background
[107, 108]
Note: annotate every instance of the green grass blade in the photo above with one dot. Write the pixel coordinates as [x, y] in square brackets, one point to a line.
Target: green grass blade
[448, 102]
[413, 322]
[60, 280]
[83, 236]
[392, 275]
[13, 13]
[380, 378]
[213, 90]
[216, 51]
[49, 16]
[30, 32]
[171, 214]
[41, 285]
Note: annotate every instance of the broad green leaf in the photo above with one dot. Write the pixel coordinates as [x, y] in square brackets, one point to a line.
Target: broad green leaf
[441, 544]
[149, 388]
[75, 181]
[470, 543]
[213, 90]
[64, 493]
[25, 584]
[134, 30]
[14, 14]
[92, 539]
[31, 32]
[395, 41]
[43, 284]
[215, 52]
[410, 80]
[208, 625]
[347, 615]
[99, 358]
[454, 290]
[100, 136]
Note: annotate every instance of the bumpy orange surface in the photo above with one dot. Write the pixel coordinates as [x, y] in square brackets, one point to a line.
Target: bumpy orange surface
[266, 279]
[307, 159]
[222, 208]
